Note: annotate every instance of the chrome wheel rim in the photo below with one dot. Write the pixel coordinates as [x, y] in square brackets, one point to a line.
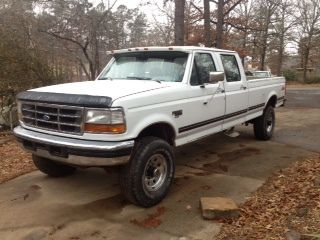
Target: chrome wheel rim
[155, 173]
[269, 122]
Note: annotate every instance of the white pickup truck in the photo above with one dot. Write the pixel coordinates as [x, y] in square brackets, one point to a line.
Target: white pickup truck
[144, 103]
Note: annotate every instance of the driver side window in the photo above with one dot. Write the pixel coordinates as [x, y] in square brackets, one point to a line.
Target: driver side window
[202, 66]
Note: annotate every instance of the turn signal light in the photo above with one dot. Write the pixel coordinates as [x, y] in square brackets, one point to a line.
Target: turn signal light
[105, 128]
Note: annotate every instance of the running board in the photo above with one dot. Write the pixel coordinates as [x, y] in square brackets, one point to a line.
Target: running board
[231, 133]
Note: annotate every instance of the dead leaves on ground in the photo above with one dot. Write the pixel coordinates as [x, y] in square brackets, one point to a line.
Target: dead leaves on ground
[289, 200]
[13, 160]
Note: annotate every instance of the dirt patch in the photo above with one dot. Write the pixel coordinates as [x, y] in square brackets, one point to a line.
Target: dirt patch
[101, 207]
[239, 153]
[14, 161]
[221, 166]
[206, 187]
[288, 202]
[152, 221]
[30, 194]
[216, 167]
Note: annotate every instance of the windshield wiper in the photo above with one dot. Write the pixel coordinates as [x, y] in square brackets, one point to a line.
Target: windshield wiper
[138, 78]
[105, 78]
[142, 78]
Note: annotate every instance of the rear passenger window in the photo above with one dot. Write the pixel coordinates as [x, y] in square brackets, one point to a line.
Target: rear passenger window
[231, 68]
[202, 65]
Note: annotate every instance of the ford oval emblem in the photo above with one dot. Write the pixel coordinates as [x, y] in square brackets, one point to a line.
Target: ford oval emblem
[46, 117]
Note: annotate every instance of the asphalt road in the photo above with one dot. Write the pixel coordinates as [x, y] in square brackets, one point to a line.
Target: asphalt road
[303, 98]
[299, 121]
[89, 205]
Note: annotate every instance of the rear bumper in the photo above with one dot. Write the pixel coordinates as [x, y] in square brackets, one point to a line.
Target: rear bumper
[74, 151]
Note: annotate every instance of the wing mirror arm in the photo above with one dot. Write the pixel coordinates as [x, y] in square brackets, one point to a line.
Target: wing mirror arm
[220, 89]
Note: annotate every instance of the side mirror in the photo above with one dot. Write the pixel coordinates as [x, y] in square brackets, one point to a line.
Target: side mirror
[215, 77]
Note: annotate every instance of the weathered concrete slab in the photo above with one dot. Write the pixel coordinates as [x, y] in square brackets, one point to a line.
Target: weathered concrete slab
[214, 208]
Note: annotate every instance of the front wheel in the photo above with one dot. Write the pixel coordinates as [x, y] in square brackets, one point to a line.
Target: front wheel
[146, 180]
[263, 126]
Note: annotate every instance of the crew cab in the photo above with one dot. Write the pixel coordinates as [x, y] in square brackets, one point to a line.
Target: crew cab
[146, 102]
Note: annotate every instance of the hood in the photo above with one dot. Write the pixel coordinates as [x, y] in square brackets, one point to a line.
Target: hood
[113, 89]
[97, 94]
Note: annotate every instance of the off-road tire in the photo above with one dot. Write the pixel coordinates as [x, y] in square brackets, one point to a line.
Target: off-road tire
[263, 126]
[52, 168]
[133, 174]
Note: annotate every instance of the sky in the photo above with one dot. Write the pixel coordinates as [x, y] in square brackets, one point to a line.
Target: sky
[128, 3]
[149, 10]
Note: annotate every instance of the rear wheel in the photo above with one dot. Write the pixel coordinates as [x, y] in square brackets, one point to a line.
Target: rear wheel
[264, 125]
[145, 181]
[52, 168]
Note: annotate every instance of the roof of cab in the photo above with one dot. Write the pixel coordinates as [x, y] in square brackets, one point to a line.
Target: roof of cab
[169, 48]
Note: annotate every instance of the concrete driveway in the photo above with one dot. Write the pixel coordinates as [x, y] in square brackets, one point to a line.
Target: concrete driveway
[89, 205]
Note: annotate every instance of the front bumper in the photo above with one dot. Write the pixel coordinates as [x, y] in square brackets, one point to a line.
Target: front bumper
[72, 151]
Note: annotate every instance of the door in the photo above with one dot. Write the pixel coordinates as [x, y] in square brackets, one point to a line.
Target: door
[205, 106]
[236, 91]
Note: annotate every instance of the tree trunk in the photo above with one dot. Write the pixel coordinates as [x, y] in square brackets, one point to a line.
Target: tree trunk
[281, 40]
[280, 57]
[244, 44]
[220, 23]
[263, 53]
[264, 42]
[207, 28]
[305, 63]
[179, 22]
[96, 56]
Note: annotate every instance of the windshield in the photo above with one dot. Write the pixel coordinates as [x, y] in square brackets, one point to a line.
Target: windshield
[158, 66]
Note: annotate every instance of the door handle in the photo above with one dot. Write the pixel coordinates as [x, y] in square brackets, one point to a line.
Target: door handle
[243, 87]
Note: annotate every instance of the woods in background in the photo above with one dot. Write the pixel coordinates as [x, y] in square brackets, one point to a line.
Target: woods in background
[46, 42]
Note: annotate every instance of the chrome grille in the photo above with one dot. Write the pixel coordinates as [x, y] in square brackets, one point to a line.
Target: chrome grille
[59, 118]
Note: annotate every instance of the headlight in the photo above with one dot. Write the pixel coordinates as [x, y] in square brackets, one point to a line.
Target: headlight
[105, 121]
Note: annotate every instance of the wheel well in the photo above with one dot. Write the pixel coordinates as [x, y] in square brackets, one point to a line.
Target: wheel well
[160, 130]
[272, 101]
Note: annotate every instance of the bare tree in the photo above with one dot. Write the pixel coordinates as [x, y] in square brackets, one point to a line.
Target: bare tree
[161, 31]
[243, 16]
[267, 10]
[87, 32]
[224, 7]
[309, 21]
[284, 23]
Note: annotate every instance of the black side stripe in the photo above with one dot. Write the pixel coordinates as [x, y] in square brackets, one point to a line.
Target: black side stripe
[230, 115]
[257, 106]
[217, 119]
[200, 124]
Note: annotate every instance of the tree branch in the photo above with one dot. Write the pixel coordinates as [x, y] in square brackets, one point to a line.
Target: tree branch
[232, 7]
[62, 38]
[197, 8]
